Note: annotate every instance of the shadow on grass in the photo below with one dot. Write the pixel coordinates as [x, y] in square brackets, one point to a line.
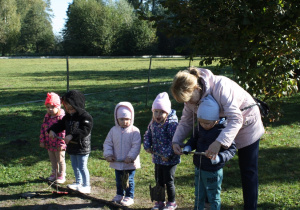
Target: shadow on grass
[5, 185]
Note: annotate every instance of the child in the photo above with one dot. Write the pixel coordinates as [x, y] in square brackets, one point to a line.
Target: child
[158, 141]
[78, 124]
[56, 147]
[208, 172]
[122, 148]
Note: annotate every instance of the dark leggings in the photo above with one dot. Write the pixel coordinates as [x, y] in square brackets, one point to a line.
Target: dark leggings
[165, 175]
[248, 162]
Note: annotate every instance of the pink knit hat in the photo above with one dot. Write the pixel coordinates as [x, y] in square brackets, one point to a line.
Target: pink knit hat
[123, 112]
[53, 99]
[162, 102]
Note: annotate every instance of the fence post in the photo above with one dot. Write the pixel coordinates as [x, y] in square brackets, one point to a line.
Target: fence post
[67, 73]
[148, 81]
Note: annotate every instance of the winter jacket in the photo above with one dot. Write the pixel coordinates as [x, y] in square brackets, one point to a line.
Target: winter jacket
[158, 138]
[79, 124]
[123, 142]
[201, 141]
[54, 144]
[245, 127]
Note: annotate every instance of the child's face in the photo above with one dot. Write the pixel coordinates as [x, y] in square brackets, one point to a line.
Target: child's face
[159, 115]
[124, 122]
[207, 124]
[52, 110]
[69, 108]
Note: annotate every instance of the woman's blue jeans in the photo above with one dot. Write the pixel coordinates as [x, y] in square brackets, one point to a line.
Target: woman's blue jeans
[81, 172]
[128, 192]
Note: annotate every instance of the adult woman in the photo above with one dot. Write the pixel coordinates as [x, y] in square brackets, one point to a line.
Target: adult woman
[245, 127]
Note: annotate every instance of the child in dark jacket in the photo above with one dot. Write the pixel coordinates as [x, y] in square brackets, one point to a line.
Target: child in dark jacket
[208, 171]
[78, 124]
[158, 141]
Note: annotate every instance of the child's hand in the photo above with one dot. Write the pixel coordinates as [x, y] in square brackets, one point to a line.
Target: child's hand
[52, 134]
[164, 159]
[128, 160]
[42, 145]
[149, 150]
[110, 159]
[68, 138]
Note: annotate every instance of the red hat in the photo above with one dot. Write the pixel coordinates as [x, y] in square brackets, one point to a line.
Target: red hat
[53, 99]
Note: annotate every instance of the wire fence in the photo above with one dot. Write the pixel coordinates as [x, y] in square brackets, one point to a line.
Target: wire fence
[26, 80]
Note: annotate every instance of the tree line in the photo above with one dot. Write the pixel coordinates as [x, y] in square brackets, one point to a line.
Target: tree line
[93, 28]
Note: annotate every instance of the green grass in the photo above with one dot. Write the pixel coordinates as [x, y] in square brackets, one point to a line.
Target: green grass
[110, 79]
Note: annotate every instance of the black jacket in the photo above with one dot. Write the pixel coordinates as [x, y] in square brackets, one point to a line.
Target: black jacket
[79, 125]
[201, 141]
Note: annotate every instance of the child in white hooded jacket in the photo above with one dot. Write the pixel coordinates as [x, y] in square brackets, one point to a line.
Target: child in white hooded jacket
[121, 148]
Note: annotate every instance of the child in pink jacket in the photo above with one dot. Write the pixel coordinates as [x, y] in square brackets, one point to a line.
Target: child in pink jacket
[122, 148]
[56, 147]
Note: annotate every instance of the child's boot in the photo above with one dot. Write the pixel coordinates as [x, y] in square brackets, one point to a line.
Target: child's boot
[117, 198]
[127, 201]
[158, 205]
[61, 178]
[52, 177]
[170, 206]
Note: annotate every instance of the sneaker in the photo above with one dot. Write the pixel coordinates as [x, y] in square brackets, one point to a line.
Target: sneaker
[158, 205]
[117, 198]
[127, 201]
[74, 186]
[170, 206]
[85, 189]
[60, 180]
[52, 177]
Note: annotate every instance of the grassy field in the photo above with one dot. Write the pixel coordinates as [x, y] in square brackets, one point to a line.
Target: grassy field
[107, 82]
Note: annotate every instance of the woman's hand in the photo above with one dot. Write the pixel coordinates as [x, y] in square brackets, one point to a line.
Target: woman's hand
[213, 150]
[42, 145]
[177, 149]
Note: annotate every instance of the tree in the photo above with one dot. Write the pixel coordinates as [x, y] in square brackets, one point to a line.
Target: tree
[9, 25]
[259, 39]
[36, 31]
[84, 33]
[97, 28]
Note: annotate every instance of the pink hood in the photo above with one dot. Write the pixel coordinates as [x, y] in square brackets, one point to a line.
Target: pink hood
[122, 143]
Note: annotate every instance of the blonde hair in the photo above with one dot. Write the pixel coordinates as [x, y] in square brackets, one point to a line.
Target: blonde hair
[184, 84]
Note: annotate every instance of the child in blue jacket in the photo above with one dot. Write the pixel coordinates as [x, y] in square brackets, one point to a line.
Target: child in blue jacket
[158, 141]
[208, 172]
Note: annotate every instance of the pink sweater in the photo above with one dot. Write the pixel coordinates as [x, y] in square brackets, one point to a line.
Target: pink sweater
[244, 127]
[122, 143]
[52, 144]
